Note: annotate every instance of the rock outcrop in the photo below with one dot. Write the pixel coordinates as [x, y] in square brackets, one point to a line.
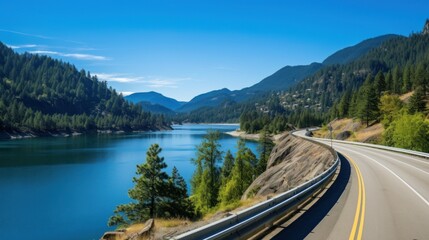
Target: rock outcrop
[292, 162]
[426, 27]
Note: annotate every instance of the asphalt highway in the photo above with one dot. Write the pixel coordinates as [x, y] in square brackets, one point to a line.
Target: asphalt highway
[385, 196]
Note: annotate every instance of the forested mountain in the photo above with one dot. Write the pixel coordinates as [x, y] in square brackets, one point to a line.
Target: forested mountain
[156, 108]
[284, 78]
[328, 84]
[349, 54]
[155, 99]
[41, 95]
[281, 80]
[210, 99]
[397, 66]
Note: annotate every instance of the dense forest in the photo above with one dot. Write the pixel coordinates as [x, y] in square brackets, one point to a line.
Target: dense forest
[400, 65]
[41, 95]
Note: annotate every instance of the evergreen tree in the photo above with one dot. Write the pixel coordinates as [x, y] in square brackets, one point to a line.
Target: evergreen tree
[264, 147]
[421, 80]
[228, 165]
[343, 106]
[149, 190]
[178, 203]
[368, 108]
[380, 83]
[417, 101]
[241, 176]
[406, 77]
[206, 180]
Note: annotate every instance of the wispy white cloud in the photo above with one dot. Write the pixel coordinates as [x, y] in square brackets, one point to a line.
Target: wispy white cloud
[162, 83]
[85, 56]
[116, 77]
[78, 56]
[22, 46]
[25, 34]
[152, 82]
[37, 36]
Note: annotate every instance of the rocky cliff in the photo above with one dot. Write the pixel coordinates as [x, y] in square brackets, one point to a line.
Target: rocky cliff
[426, 27]
[293, 161]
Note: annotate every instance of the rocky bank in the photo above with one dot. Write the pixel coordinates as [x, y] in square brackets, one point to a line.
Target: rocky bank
[292, 162]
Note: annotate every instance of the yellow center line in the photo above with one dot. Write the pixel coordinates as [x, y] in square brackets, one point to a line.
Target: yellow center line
[362, 216]
[360, 208]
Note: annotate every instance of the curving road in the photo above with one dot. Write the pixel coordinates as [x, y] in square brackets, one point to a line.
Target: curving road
[385, 196]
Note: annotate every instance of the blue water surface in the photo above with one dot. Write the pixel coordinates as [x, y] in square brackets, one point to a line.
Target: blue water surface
[67, 188]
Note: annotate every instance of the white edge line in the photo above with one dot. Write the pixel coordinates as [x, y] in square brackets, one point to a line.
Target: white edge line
[402, 180]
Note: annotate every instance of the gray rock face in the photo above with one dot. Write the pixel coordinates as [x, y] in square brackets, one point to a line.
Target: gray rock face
[426, 27]
[292, 162]
[343, 135]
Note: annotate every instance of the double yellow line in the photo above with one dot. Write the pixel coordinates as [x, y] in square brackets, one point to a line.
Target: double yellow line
[359, 219]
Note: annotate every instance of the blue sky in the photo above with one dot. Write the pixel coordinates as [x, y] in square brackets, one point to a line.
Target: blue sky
[184, 48]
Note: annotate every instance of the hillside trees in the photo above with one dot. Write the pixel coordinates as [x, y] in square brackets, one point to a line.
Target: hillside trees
[40, 94]
[155, 194]
[409, 131]
[206, 179]
[265, 147]
[242, 175]
[368, 105]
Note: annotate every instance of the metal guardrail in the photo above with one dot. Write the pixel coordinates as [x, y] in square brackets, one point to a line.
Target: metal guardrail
[255, 218]
[393, 149]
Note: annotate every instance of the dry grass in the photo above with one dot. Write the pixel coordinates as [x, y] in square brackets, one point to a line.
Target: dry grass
[359, 131]
[170, 227]
[406, 97]
[371, 134]
[172, 222]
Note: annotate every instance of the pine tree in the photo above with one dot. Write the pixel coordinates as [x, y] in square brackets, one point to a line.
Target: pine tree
[178, 203]
[242, 175]
[380, 83]
[343, 106]
[417, 101]
[228, 165]
[265, 146]
[406, 76]
[148, 192]
[206, 180]
[368, 108]
[421, 80]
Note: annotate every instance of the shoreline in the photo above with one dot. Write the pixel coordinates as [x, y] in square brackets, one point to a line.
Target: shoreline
[16, 135]
[252, 136]
[243, 135]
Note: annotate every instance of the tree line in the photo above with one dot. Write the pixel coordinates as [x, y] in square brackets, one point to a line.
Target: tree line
[41, 94]
[158, 195]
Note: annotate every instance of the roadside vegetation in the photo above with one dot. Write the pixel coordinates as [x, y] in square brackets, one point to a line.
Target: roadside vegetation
[218, 183]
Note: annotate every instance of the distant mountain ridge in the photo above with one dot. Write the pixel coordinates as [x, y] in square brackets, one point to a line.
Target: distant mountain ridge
[285, 77]
[156, 99]
[278, 81]
[349, 54]
[210, 99]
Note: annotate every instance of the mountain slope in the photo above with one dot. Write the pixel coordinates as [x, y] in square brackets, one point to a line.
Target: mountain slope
[210, 99]
[41, 95]
[349, 54]
[284, 78]
[155, 108]
[155, 98]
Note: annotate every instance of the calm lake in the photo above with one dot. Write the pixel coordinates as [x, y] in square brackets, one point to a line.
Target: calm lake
[67, 188]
